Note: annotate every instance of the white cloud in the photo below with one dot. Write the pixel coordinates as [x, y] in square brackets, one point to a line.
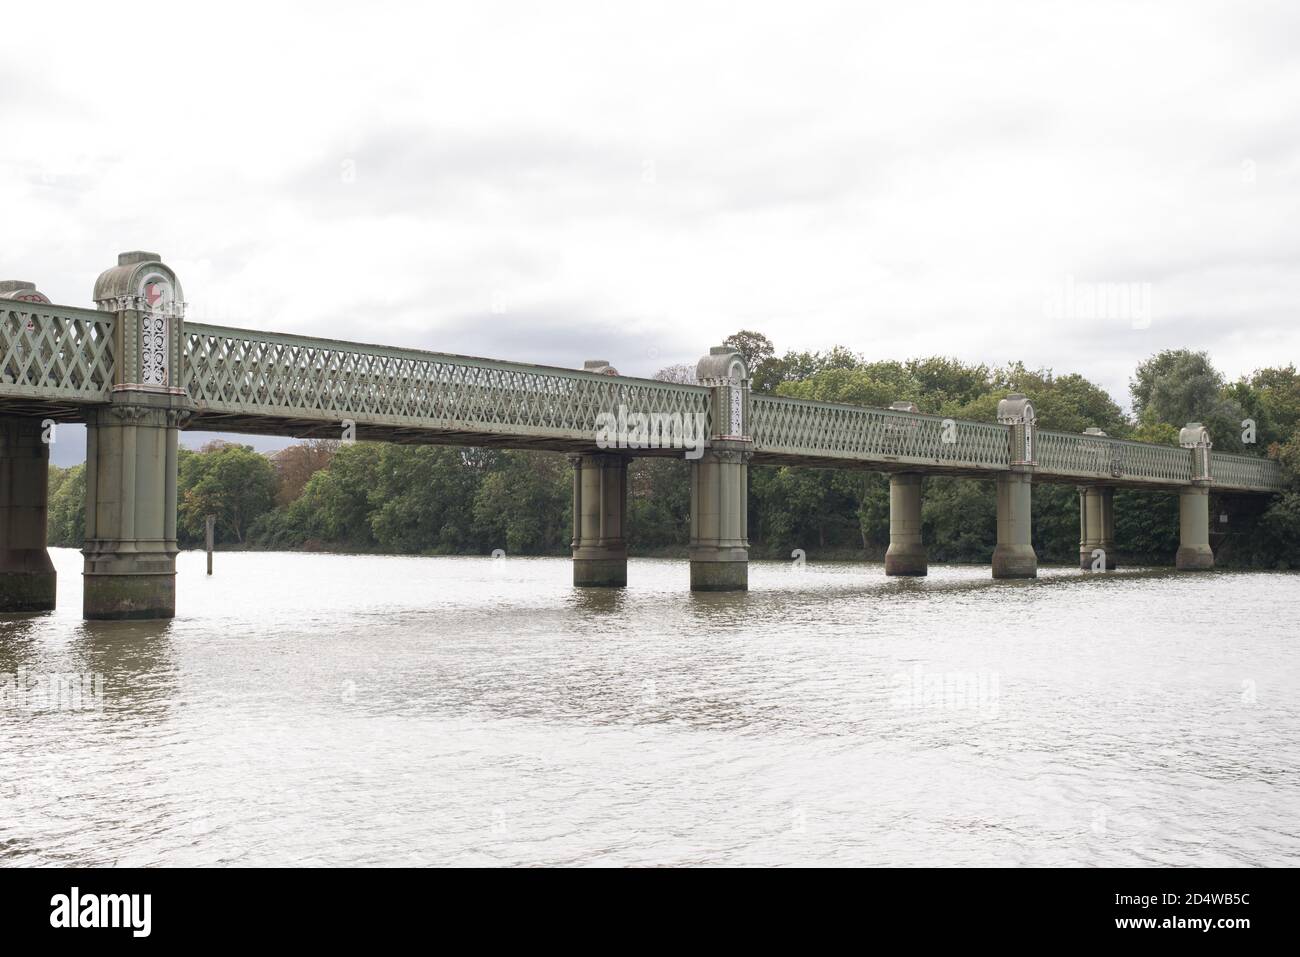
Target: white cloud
[637, 182]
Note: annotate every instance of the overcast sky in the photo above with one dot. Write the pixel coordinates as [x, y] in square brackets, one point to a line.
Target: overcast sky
[556, 182]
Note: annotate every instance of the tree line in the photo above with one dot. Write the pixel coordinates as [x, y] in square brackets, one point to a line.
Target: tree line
[417, 499]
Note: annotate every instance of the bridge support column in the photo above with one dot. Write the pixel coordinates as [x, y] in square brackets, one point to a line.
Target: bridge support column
[1097, 524]
[27, 579]
[906, 553]
[599, 507]
[1014, 555]
[130, 548]
[131, 447]
[719, 547]
[1194, 552]
[720, 478]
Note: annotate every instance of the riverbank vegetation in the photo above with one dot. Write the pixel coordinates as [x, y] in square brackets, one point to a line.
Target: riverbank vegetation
[415, 499]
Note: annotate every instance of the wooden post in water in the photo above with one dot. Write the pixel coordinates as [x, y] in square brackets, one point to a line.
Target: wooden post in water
[210, 522]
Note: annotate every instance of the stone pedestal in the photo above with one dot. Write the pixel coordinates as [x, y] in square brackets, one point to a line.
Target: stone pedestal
[599, 507]
[130, 548]
[1194, 552]
[1097, 525]
[27, 579]
[719, 548]
[906, 554]
[1014, 555]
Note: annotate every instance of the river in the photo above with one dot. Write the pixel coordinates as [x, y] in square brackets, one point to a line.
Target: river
[340, 710]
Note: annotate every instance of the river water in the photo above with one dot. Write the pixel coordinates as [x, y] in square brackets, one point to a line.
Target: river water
[337, 710]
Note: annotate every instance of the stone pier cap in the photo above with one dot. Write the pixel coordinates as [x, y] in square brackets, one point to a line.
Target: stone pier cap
[19, 290]
[724, 365]
[1194, 435]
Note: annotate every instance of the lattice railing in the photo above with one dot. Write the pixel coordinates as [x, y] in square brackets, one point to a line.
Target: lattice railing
[55, 352]
[63, 353]
[824, 430]
[238, 371]
[1246, 472]
[1103, 457]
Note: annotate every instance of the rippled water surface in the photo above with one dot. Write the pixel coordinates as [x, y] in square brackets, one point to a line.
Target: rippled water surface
[326, 710]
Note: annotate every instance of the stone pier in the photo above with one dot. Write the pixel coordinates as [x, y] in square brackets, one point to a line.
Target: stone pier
[1014, 555]
[719, 547]
[27, 579]
[131, 447]
[906, 554]
[1097, 528]
[599, 508]
[1194, 553]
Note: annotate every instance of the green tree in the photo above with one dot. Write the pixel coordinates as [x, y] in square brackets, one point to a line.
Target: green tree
[946, 383]
[659, 503]
[755, 347]
[335, 504]
[66, 511]
[1068, 404]
[525, 504]
[422, 497]
[1178, 386]
[232, 482]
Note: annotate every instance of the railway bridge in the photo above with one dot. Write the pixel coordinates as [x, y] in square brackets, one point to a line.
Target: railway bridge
[136, 373]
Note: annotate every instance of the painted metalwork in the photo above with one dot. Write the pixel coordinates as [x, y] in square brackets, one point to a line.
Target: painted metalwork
[296, 377]
[56, 353]
[61, 357]
[797, 429]
[1103, 458]
[1245, 472]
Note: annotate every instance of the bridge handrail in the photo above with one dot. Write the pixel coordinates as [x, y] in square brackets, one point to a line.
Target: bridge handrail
[66, 353]
[312, 377]
[813, 428]
[1231, 470]
[50, 351]
[1104, 456]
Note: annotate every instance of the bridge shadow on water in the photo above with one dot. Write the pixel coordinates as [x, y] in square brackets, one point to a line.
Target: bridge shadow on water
[132, 646]
[778, 591]
[770, 583]
[134, 660]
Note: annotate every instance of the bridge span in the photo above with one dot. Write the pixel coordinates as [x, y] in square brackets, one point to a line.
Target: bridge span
[136, 373]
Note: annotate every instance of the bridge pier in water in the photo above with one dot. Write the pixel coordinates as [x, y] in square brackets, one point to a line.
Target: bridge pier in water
[719, 546]
[1097, 528]
[131, 448]
[906, 554]
[1194, 552]
[599, 510]
[130, 548]
[719, 549]
[27, 578]
[1014, 556]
